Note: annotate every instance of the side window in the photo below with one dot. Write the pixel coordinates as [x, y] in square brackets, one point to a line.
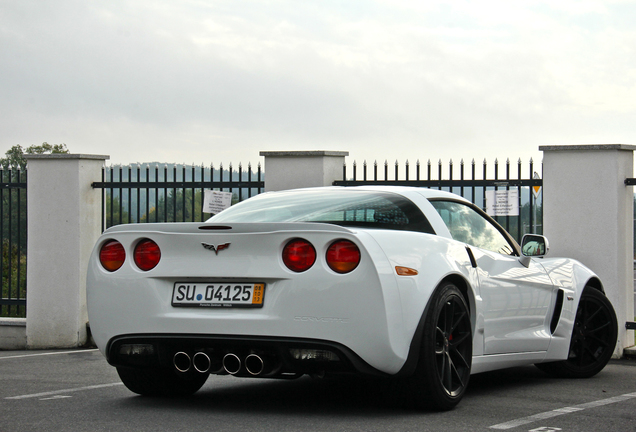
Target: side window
[468, 226]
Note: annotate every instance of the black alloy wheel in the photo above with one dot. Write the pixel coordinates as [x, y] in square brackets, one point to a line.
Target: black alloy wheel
[443, 370]
[593, 338]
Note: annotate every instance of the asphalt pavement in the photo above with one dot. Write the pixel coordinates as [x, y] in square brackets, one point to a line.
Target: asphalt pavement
[76, 390]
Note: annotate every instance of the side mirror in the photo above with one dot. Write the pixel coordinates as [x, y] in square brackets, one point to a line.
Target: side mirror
[533, 245]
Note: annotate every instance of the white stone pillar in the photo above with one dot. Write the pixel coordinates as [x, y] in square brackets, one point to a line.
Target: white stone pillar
[300, 169]
[64, 222]
[588, 215]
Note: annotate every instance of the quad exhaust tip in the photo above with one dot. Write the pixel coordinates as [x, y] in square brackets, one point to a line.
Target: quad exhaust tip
[182, 362]
[231, 363]
[254, 364]
[201, 362]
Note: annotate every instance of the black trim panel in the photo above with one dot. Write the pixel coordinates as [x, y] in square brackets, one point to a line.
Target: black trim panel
[167, 344]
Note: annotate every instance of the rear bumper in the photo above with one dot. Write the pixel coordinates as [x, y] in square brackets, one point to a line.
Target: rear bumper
[284, 355]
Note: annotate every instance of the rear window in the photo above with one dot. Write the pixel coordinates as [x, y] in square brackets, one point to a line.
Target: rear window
[346, 207]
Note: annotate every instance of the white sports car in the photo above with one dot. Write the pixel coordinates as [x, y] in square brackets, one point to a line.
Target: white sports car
[412, 284]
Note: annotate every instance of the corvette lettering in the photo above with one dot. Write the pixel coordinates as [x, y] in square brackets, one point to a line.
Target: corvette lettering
[215, 248]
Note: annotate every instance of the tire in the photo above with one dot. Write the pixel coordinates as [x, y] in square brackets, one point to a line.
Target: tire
[160, 382]
[443, 369]
[593, 338]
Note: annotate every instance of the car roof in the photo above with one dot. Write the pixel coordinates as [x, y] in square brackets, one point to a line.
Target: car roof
[405, 191]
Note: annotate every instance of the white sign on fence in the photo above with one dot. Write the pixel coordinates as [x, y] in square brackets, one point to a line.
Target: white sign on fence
[502, 203]
[215, 202]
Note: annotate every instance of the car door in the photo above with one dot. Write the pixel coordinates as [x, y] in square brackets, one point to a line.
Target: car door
[516, 300]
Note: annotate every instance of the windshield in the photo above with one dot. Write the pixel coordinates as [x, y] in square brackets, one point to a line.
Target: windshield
[347, 207]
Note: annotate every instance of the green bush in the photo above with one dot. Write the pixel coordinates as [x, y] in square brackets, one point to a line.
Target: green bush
[13, 279]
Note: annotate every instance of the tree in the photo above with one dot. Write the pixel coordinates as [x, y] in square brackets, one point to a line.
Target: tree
[13, 270]
[158, 213]
[171, 209]
[13, 225]
[14, 157]
[113, 214]
[13, 199]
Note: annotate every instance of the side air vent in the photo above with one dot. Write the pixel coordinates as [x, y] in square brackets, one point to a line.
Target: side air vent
[558, 307]
[215, 227]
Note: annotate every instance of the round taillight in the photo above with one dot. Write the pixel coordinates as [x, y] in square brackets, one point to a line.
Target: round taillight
[343, 256]
[112, 255]
[147, 254]
[299, 255]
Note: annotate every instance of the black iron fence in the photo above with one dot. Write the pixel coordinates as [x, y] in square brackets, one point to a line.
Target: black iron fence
[469, 184]
[174, 193]
[13, 232]
[169, 193]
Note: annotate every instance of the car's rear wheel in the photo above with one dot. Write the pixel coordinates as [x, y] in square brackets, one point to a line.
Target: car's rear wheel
[443, 368]
[593, 338]
[160, 382]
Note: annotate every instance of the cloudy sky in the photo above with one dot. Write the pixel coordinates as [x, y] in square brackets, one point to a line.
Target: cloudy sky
[218, 81]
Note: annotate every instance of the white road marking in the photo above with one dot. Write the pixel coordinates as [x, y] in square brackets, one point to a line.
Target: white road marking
[560, 411]
[56, 397]
[57, 392]
[48, 353]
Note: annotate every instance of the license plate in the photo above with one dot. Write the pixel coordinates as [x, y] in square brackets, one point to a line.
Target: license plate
[218, 294]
